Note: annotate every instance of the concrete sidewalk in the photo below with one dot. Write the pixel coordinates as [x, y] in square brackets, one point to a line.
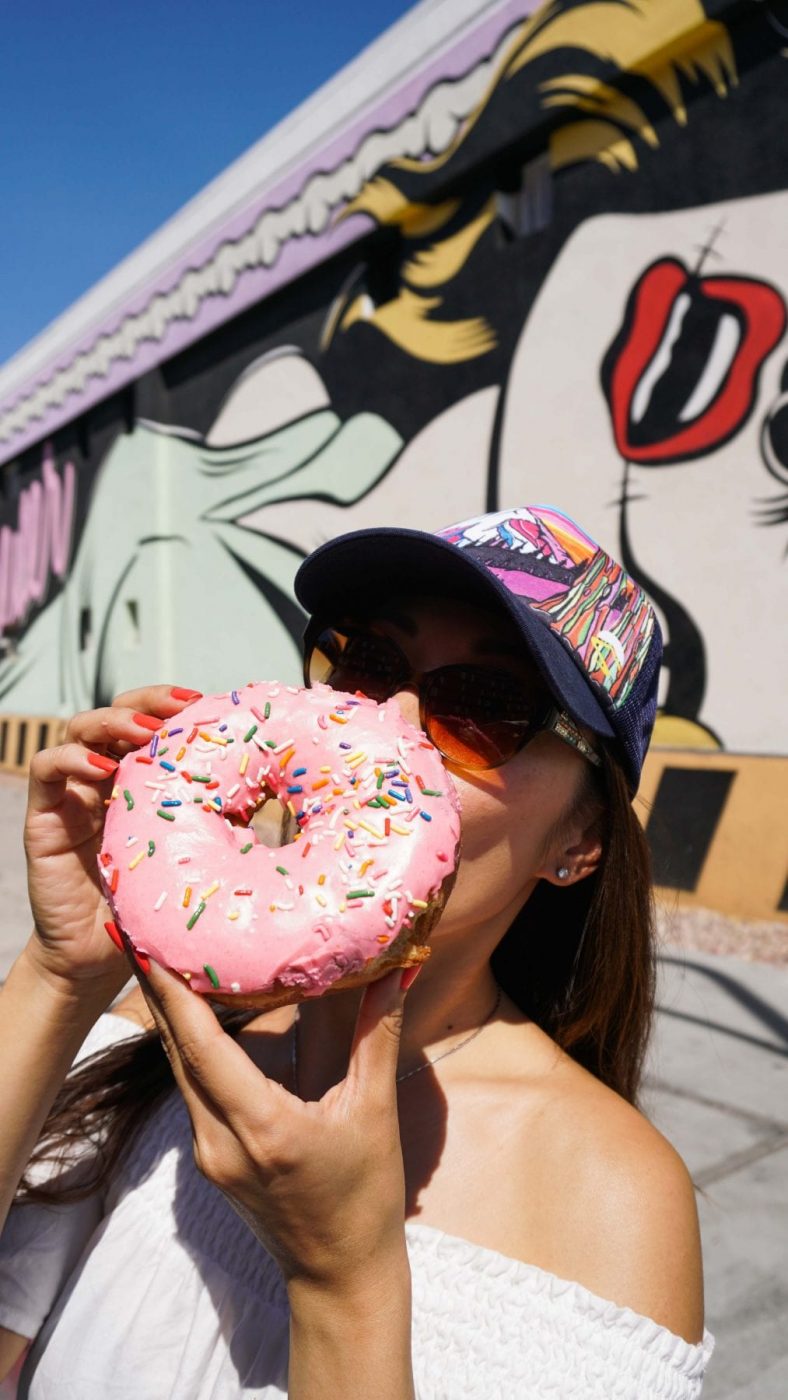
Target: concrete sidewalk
[14, 908]
[717, 1086]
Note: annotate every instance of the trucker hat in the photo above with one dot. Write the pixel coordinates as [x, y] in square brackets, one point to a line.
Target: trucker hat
[588, 625]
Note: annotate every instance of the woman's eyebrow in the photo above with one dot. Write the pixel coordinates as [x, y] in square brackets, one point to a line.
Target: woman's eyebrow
[402, 620]
[483, 646]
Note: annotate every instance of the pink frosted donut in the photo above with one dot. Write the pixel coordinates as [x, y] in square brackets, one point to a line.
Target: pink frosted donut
[354, 894]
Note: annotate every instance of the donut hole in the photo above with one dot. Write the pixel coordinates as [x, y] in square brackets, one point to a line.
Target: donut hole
[273, 824]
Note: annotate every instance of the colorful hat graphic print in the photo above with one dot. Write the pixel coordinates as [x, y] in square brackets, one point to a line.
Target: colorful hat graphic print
[590, 627]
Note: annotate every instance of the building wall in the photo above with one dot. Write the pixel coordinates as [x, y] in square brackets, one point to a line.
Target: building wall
[549, 268]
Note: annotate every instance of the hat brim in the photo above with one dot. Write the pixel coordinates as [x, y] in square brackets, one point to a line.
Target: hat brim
[346, 573]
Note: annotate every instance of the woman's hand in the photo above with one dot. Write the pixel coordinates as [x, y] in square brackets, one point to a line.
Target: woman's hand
[320, 1184]
[65, 818]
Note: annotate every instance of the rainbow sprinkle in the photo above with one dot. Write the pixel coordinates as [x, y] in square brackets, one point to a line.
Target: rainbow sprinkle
[195, 916]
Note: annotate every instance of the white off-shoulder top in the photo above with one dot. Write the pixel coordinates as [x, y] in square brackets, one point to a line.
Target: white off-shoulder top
[156, 1290]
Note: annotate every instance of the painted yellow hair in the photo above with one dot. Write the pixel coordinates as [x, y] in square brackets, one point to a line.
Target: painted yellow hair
[659, 41]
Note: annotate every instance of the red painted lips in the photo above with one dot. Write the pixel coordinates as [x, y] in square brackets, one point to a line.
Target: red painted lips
[681, 376]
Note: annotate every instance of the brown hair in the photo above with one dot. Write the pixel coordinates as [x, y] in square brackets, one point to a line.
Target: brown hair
[580, 961]
[104, 1103]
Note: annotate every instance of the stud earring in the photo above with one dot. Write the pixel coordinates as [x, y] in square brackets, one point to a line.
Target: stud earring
[562, 872]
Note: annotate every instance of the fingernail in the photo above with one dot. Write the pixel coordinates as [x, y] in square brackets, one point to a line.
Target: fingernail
[142, 962]
[112, 930]
[178, 693]
[107, 765]
[147, 721]
[409, 976]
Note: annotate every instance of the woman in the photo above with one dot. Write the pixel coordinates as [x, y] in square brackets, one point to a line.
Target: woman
[455, 1199]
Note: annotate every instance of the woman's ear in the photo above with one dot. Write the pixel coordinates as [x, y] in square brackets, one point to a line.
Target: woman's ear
[575, 855]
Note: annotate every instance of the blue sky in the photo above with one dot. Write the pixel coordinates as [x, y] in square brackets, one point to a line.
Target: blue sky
[113, 115]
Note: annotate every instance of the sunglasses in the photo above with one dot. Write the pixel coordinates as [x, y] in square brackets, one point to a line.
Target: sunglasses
[476, 716]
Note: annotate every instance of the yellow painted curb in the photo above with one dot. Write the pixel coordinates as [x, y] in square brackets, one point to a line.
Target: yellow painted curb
[739, 862]
[23, 735]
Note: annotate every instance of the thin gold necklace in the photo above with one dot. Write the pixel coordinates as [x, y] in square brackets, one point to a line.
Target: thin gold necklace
[409, 1073]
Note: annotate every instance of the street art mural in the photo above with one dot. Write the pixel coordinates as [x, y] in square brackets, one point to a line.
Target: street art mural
[559, 277]
[170, 570]
[675, 422]
[37, 548]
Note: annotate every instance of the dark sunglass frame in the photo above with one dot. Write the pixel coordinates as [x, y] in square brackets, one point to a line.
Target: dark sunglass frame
[552, 719]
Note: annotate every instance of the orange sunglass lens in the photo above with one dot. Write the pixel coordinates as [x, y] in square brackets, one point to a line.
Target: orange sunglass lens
[469, 744]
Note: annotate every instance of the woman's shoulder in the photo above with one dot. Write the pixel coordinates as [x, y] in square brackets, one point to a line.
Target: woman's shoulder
[617, 1204]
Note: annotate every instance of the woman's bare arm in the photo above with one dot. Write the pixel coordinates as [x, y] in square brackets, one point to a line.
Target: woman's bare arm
[41, 1030]
[42, 1026]
[354, 1346]
[70, 972]
[11, 1348]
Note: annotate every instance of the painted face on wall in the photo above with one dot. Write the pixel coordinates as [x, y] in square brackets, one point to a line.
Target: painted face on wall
[186, 562]
[174, 574]
[647, 395]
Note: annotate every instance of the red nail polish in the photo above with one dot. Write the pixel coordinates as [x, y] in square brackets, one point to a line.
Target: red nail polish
[112, 930]
[107, 765]
[142, 962]
[178, 693]
[409, 976]
[147, 721]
